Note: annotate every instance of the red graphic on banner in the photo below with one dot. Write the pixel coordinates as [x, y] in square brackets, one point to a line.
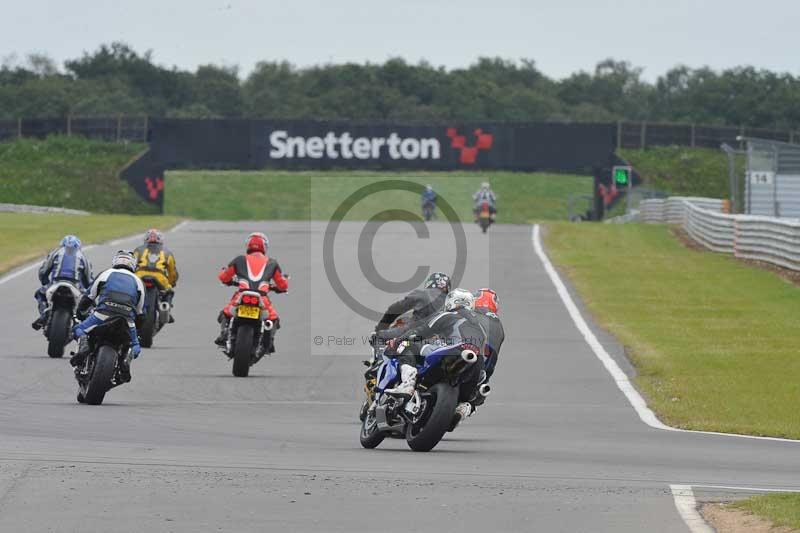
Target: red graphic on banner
[469, 154]
[154, 187]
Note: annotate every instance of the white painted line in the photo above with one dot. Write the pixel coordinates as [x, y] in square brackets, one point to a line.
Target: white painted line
[744, 489]
[30, 266]
[620, 378]
[687, 508]
[179, 226]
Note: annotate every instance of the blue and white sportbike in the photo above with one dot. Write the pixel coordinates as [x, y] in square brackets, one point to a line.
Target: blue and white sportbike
[430, 412]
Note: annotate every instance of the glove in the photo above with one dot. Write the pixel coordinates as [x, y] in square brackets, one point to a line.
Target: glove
[372, 338]
[136, 349]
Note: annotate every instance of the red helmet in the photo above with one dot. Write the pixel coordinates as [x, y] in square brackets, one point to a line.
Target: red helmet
[486, 299]
[257, 242]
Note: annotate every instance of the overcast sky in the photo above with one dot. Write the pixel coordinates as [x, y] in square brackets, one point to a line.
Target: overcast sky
[562, 36]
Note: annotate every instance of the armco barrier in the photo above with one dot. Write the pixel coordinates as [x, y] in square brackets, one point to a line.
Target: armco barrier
[769, 239]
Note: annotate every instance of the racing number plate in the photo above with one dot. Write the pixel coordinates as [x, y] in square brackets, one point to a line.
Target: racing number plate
[248, 311]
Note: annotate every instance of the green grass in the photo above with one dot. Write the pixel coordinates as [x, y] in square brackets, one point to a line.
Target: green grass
[316, 195]
[683, 171]
[783, 510]
[714, 340]
[71, 172]
[26, 236]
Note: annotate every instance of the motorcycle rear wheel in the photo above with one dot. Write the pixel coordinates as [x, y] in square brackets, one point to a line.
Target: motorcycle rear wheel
[104, 365]
[425, 438]
[58, 332]
[243, 350]
[148, 329]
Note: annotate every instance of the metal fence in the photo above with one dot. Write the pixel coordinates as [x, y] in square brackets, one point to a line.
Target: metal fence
[647, 134]
[628, 134]
[772, 178]
[120, 128]
[769, 239]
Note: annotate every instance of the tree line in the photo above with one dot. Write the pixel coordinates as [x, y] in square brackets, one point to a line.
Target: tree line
[115, 79]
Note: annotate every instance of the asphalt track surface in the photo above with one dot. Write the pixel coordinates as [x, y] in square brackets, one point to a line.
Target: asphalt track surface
[188, 447]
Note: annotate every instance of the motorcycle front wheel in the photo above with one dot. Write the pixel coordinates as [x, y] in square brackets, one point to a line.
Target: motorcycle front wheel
[370, 437]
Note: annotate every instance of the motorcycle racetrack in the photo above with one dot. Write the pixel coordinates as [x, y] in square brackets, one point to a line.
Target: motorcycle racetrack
[188, 447]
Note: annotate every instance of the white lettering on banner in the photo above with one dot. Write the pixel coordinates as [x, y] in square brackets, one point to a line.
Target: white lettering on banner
[345, 146]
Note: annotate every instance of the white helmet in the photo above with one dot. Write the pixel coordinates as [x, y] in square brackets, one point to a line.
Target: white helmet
[485, 185]
[459, 298]
[124, 259]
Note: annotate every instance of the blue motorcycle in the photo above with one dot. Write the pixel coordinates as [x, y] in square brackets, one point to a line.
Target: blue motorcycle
[429, 413]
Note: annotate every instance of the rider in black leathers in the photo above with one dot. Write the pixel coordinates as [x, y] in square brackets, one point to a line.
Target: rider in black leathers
[424, 302]
[459, 327]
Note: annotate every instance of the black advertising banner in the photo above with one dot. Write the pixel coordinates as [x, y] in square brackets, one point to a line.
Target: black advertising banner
[319, 145]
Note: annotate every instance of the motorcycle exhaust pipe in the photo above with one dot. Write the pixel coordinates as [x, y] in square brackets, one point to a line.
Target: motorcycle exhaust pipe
[485, 390]
[268, 325]
[469, 357]
[164, 306]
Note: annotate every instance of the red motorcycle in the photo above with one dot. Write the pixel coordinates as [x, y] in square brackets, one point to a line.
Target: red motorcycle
[250, 331]
[485, 217]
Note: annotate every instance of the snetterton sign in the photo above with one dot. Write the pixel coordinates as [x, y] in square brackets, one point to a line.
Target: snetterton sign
[344, 145]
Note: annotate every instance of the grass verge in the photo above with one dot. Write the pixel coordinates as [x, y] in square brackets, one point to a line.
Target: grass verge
[230, 195]
[71, 172]
[27, 236]
[683, 171]
[783, 510]
[714, 340]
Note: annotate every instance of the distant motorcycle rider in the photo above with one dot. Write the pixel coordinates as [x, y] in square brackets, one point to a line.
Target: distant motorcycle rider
[458, 326]
[261, 271]
[485, 194]
[116, 292]
[428, 198]
[65, 263]
[154, 260]
[423, 303]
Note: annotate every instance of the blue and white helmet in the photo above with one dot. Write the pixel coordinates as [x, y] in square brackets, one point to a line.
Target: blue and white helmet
[124, 259]
[71, 241]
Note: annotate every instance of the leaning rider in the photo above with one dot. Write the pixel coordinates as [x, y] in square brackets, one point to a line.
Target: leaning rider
[423, 303]
[485, 194]
[457, 328]
[487, 308]
[266, 275]
[154, 260]
[65, 263]
[116, 292]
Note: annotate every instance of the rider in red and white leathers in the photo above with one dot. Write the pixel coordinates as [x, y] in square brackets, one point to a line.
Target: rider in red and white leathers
[260, 273]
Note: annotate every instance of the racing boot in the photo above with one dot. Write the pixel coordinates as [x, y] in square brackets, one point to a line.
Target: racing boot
[408, 375]
[463, 410]
[222, 338]
[79, 357]
[39, 322]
